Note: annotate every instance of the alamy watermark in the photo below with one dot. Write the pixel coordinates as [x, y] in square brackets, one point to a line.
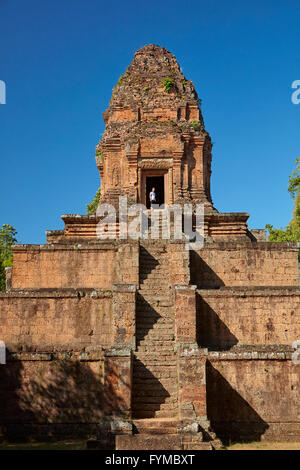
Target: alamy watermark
[172, 221]
[296, 94]
[2, 353]
[2, 92]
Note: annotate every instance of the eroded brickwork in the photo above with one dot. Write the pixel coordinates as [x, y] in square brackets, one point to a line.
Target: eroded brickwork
[56, 319]
[230, 317]
[254, 398]
[63, 266]
[245, 264]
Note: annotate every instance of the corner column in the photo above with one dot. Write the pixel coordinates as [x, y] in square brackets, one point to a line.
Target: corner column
[191, 365]
[124, 312]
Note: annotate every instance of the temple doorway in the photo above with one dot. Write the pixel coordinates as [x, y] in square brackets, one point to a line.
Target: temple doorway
[156, 182]
[157, 179]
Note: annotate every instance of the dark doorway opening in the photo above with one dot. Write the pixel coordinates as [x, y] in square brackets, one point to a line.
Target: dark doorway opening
[156, 182]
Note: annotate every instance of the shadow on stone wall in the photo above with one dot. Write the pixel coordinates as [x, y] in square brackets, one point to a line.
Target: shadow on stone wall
[230, 415]
[212, 333]
[146, 317]
[53, 399]
[202, 275]
[146, 389]
[147, 263]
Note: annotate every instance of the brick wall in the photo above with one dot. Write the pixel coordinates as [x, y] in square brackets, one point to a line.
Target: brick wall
[56, 319]
[61, 395]
[245, 264]
[247, 316]
[63, 266]
[254, 399]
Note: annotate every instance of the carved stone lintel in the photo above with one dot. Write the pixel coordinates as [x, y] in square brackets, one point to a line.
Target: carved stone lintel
[155, 164]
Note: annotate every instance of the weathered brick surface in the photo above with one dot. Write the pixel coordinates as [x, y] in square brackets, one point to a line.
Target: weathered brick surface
[247, 316]
[254, 399]
[245, 264]
[56, 319]
[63, 266]
[118, 382]
[179, 262]
[62, 394]
[191, 383]
[124, 315]
[185, 314]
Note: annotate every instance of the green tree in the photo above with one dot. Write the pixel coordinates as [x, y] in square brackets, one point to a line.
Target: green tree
[92, 206]
[292, 232]
[7, 239]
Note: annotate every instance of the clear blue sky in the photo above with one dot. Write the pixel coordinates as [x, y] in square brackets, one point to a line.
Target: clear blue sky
[61, 58]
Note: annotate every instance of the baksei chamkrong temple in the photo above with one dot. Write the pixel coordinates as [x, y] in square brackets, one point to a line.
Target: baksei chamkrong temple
[142, 344]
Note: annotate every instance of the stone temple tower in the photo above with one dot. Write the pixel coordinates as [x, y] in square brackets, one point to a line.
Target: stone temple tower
[139, 342]
[155, 135]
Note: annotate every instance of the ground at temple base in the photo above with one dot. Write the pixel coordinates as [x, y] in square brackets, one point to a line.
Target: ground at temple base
[264, 445]
[81, 445]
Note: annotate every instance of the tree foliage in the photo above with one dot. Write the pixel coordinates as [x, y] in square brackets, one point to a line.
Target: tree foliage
[7, 239]
[292, 232]
[92, 206]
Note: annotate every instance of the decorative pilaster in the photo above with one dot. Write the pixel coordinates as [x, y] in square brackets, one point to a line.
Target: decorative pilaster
[118, 365]
[177, 158]
[185, 314]
[124, 312]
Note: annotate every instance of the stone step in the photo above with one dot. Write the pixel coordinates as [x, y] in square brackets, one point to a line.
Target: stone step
[160, 347]
[143, 330]
[157, 374]
[154, 369]
[162, 323]
[158, 406]
[156, 281]
[164, 301]
[168, 426]
[157, 441]
[160, 394]
[160, 360]
[160, 334]
[145, 297]
[162, 357]
[165, 384]
[151, 252]
[149, 441]
[161, 265]
[157, 273]
[154, 304]
[153, 341]
[144, 306]
[165, 349]
[145, 319]
[172, 401]
[150, 273]
[154, 395]
[149, 424]
[151, 344]
[153, 270]
[161, 315]
[150, 339]
[159, 287]
[163, 279]
[152, 364]
[157, 414]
